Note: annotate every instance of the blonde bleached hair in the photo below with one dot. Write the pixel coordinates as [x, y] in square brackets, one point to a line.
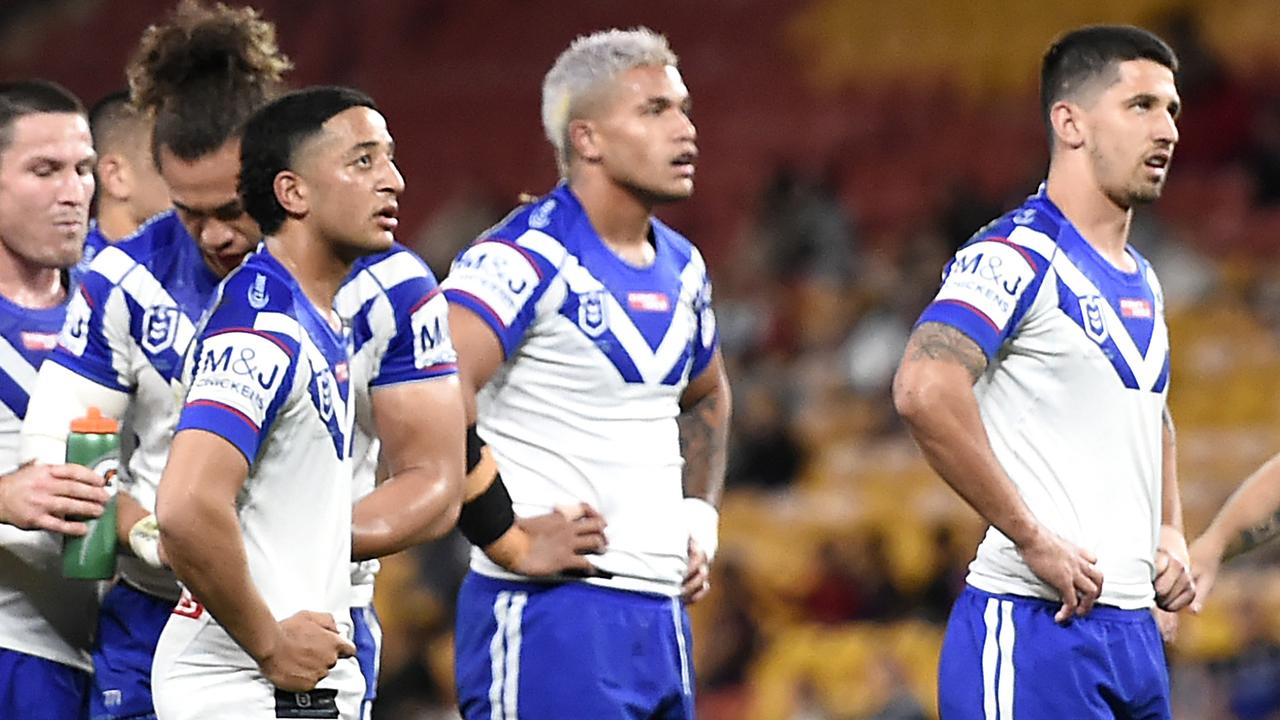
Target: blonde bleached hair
[587, 65]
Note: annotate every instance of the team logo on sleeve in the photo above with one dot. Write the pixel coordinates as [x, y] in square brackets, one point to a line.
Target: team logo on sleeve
[432, 344]
[989, 278]
[541, 217]
[1095, 324]
[258, 296]
[159, 328]
[240, 370]
[499, 275]
[592, 316]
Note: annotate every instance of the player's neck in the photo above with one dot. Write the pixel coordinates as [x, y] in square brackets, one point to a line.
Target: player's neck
[115, 221]
[1099, 220]
[318, 270]
[28, 285]
[619, 217]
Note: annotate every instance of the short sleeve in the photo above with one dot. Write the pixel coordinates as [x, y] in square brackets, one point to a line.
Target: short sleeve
[95, 341]
[986, 290]
[707, 337]
[501, 282]
[241, 367]
[421, 348]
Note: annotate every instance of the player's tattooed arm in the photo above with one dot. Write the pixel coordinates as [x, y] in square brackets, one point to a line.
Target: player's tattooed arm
[1252, 537]
[936, 341]
[704, 432]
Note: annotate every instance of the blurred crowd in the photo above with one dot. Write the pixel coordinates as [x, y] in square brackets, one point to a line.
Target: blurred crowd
[841, 552]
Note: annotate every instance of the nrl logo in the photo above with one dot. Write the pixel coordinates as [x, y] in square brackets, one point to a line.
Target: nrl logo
[258, 296]
[159, 328]
[1095, 326]
[591, 313]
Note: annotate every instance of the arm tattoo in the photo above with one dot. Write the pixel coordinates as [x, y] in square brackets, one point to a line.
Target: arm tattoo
[935, 341]
[1255, 536]
[1168, 425]
[703, 443]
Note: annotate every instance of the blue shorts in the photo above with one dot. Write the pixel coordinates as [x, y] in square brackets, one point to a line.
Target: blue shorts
[547, 652]
[368, 641]
[129, 626]
[39, 689]
[1004, 657]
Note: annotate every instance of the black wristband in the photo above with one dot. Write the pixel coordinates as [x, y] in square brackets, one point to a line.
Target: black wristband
[487, 516]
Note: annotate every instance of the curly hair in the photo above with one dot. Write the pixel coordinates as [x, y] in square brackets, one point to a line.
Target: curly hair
[203, 73]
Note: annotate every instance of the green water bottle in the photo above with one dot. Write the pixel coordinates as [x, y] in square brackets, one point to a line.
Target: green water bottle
[94, 442]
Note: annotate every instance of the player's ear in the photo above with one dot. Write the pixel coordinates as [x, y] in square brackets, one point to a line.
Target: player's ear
[1067, 120]
[584, 140]
[114, 176]
[291, 193]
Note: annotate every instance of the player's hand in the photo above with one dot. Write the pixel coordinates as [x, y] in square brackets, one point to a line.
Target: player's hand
[697, 575]
[1069, 569]
[1175, 588]
[559, 541]
[1206, 558]
[306, 649]
[1167, 623]
[43, 497]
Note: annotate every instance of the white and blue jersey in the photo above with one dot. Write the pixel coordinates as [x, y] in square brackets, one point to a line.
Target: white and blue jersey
[128, 326]
[400, 334]
[583, 409]
[1073, 398]
[268, 374]
[94, 242]
[597, 354]
[40, 613]
[1072, 403]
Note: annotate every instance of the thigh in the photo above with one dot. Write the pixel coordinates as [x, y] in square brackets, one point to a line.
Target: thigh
[129, 627]
[40, 689]
[1142, 670]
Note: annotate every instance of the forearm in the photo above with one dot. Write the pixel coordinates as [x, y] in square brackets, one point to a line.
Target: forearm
[946, 424]
[704, 439]
[1171, 496]
[411, 507]
[1251, 516]
[128, 512]
[206, 551]
[59, 397]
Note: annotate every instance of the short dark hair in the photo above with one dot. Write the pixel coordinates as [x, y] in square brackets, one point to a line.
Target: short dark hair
[203, 73]
[111, 120]
[1088, 53]
[32, 97]
[272, 137]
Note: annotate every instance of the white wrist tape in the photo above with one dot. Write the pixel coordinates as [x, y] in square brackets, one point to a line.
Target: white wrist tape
[144, 539]
[703, 521]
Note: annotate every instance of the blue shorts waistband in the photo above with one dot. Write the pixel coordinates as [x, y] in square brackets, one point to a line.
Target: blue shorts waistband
[1110, 613]
[486, 583]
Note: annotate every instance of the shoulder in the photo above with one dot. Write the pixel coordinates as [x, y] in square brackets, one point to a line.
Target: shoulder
[114, 261]
[390, 269]
[253, 290]
[678, 245]
[1022, 241]
[540, 230]
[156, 232]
